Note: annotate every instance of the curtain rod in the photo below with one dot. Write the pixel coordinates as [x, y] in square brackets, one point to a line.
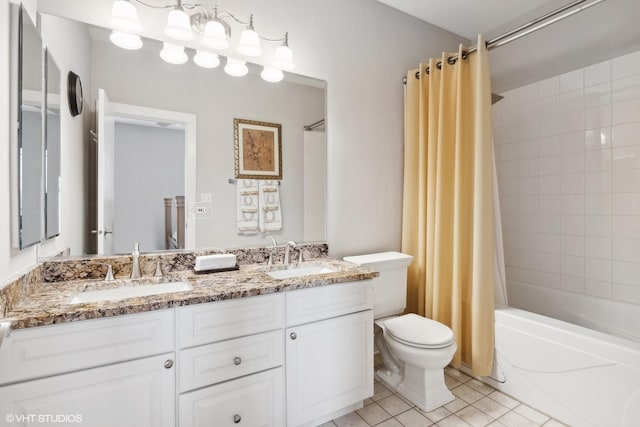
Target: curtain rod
[314, 125]
[528, 28]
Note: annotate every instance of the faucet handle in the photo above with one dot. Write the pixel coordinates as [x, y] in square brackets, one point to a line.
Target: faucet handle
[159, 272]
[108, 277]
[300, 256]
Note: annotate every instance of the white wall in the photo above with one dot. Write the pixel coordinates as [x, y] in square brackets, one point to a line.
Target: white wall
[362, 48]
[568, 161]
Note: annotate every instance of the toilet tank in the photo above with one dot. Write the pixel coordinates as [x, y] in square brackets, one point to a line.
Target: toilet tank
[390, 288]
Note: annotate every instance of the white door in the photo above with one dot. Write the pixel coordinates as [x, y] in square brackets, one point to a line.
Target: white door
[105, 181]
[140, 393]
[329, 366]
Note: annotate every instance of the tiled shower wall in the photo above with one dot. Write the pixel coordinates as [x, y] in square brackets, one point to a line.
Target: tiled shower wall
[568, 163]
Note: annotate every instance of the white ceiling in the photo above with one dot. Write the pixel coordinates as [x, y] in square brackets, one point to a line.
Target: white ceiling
[604, 31]
[467, 18]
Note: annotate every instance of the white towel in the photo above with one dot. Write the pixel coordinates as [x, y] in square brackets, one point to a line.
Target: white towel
[247, 209]
[270, 211]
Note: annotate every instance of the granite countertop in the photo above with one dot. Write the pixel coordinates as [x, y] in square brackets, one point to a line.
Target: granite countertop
[49, 303]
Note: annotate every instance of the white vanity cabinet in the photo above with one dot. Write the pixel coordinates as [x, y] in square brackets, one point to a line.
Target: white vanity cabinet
[231, 361]
[106, 372]
[329, 351]
[219, 364]
[137, 393]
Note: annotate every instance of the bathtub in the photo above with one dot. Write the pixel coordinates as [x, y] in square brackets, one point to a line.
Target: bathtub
[577, 375]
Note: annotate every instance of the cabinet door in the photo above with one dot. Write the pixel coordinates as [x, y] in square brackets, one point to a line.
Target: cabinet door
[140, 393]
[329, 366]
[254, 401]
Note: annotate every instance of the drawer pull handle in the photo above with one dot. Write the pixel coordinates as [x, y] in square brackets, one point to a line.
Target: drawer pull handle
[237, 360]
[237, 418]
[168, 364]
[293, 335]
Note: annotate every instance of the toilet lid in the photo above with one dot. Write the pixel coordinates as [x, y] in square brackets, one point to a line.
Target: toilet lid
[418, 331]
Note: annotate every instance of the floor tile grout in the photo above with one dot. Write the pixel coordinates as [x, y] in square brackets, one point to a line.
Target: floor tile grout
[469, 391]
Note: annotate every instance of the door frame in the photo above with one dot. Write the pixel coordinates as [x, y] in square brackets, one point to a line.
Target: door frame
[189, 122]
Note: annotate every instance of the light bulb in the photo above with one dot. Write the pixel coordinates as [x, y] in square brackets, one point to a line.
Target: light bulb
[283, 58]
[206, 59]
[125, 40]
[173, 54]
[124, 17]
[249, 43]
[271, 74]
[179, 26]
[215, 36]
[235, 67]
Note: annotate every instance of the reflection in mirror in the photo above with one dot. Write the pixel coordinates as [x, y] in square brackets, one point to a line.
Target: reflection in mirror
[135, 81]
[30, 151]
[52, 148]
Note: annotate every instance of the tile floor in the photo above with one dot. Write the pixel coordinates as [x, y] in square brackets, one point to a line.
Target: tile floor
[476, 404]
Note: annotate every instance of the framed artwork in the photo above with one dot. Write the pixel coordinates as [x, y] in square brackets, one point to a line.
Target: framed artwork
[258, 149]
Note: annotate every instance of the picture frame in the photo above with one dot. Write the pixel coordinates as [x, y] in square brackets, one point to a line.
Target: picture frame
[257, 149]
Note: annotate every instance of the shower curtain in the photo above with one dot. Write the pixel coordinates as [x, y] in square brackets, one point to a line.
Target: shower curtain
[448, 203]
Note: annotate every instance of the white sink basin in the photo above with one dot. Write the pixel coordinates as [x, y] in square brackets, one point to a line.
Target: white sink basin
[129, 292]
[307, 270]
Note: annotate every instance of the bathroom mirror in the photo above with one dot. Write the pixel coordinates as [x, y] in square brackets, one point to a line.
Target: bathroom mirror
[52, 147]
[29, 154]
[134, 81]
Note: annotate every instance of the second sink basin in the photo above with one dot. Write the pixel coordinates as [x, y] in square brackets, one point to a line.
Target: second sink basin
[129, 292]
[300, 271]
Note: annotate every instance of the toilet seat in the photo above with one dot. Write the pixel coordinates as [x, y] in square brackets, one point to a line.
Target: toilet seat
[420, 332]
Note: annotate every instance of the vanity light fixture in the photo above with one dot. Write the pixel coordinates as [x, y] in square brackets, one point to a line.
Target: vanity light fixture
[173, 53]
[126, 40]
[124, 17]
[179, 24]
[125, 25]
[206, 59]
[185, 21]
[236, 67]
[272, 75]
[249, 41]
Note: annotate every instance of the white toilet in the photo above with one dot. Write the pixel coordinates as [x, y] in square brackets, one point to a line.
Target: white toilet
[414, 349]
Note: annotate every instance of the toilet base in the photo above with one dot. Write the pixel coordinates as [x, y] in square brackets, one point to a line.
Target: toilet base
[388, 378]
[426, 389]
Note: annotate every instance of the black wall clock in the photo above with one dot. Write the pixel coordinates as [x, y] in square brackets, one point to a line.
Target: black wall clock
[74, 93]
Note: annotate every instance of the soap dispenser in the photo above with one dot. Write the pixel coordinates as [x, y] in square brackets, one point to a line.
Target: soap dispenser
[135, 265]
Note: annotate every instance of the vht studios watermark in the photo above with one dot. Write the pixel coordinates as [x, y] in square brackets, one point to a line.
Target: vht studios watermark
[43, 418]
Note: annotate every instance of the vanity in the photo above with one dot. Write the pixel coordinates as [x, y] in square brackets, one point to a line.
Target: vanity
[238, 348]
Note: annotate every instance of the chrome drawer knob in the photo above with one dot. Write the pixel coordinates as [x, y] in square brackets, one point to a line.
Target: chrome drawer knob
[168, 364]
[293, 335]
[237, 418]
[237, 361]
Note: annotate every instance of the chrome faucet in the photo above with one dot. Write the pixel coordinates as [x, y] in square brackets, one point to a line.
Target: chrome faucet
[135, 261]
[287, 251]
[275, 244]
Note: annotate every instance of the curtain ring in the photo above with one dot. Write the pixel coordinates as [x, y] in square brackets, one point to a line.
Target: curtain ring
[418, 75]
[452, 60]
[465, 55]
[426, 70]
[439, 65]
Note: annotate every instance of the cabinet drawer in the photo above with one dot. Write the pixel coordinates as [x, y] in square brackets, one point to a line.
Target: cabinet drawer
[217, 321]
[310, 305]
[49, 350]
[256, 400]
[214, 363]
